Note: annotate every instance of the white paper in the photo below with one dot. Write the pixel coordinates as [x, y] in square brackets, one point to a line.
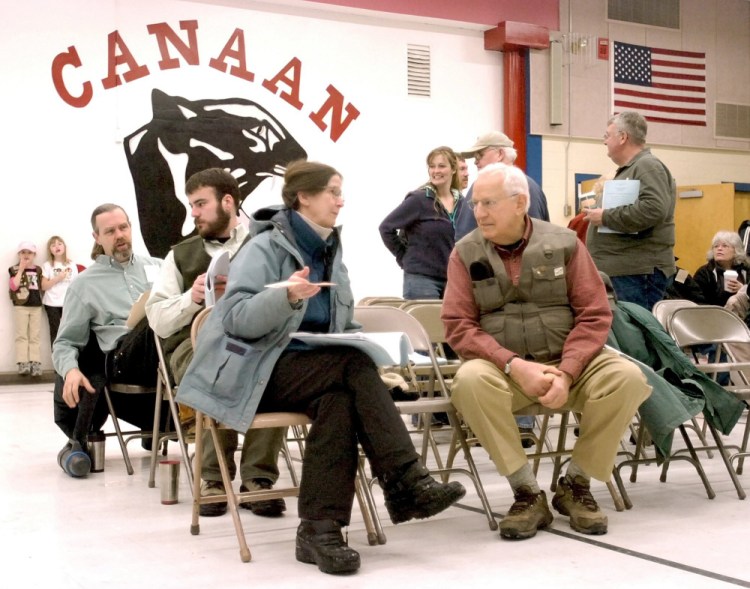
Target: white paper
[388, 348]
[219, 266]
[618, 193]
[286, 283]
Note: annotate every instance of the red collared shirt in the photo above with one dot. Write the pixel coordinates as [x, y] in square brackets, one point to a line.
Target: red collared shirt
[586, 295]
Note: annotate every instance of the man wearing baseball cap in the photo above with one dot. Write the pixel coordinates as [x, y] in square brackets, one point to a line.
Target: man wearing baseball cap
[491, 148]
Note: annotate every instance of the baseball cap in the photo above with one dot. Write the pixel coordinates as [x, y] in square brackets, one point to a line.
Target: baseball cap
[491, 139]
[26, 245]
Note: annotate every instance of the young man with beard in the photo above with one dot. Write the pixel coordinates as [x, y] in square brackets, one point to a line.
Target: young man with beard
[93, 332]
[177, 297]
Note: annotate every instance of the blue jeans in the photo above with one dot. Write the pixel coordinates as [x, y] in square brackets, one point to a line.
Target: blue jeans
[642, 289]
[417, 286]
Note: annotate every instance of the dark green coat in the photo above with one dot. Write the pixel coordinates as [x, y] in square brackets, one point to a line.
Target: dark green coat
[681, 391]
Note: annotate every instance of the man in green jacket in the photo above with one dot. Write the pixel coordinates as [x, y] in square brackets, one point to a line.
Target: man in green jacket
[637, 252]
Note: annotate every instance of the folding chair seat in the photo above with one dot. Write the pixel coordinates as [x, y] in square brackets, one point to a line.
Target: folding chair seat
[297, 421]
[712, 325]
[385, 319]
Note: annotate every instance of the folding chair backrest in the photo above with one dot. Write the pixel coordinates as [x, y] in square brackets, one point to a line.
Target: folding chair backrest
[389, 301]
[706, 324]
[198, 323]
[428, 315]
[378, 318]
[663, 309]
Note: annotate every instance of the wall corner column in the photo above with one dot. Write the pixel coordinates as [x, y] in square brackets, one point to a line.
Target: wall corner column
[514, 39]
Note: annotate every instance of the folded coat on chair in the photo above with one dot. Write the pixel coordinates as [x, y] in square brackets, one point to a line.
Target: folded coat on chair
[680, 390]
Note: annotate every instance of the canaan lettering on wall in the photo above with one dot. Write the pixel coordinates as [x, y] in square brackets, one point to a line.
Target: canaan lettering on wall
[285, 84]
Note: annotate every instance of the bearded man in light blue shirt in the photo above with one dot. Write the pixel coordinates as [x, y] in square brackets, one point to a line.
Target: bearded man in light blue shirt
[93, 326]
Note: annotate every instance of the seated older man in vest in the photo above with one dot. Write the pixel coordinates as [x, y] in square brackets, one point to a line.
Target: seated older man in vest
[176, 298]
[527, 311]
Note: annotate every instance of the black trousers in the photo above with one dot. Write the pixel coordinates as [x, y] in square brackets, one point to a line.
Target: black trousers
[91, 412]
[54, 314]
[340, 389]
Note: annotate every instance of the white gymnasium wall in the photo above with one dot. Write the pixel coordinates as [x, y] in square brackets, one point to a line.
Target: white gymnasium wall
[60, 162]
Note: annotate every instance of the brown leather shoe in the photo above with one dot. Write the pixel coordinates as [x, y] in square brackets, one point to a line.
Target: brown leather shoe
[573, 498]
[528, 514]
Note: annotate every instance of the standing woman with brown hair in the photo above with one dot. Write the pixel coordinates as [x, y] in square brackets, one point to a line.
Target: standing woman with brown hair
[420, 232]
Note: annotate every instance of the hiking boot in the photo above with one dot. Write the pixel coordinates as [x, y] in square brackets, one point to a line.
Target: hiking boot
[210, 489]
[24, 368]
[528, 514]
[320, 542]
[573, 498]
[36, 369]
[411, 493]
[265, 507]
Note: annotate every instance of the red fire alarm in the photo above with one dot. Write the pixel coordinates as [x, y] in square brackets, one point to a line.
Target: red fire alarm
[602, 48]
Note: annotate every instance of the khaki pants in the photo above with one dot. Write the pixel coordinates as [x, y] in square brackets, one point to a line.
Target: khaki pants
[607, 395]
[28, 327]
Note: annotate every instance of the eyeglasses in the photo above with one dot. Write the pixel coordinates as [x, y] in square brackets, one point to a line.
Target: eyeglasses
[615, 134]
[488, 203]
[482, 152]
[335, 192]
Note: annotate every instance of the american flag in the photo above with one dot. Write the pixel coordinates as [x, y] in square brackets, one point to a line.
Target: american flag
[664, 85]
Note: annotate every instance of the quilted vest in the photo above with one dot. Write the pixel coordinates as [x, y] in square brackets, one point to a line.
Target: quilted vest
[191, 260]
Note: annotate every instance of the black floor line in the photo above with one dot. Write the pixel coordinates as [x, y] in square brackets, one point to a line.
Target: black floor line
[626, 551]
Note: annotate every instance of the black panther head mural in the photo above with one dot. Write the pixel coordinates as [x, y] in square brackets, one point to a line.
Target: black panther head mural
[187, 136]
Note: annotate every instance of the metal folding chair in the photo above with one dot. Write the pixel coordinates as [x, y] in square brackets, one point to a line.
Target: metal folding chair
[708, 324]
[297, 421]
[164, 390]
[385, 319]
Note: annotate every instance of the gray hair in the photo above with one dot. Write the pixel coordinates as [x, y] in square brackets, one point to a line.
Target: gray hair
[510, 154]
[732, 239]
[631, 123]
[514, 180]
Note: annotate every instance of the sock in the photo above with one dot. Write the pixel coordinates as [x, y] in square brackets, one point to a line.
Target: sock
[524, 477]
[575, 471]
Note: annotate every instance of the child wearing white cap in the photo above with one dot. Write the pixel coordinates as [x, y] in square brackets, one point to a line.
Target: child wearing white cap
[26, 294]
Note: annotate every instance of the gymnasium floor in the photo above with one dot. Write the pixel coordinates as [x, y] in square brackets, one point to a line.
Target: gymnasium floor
[110, 530]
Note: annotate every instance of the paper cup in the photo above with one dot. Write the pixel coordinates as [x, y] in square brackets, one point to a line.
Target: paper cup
[729, 275]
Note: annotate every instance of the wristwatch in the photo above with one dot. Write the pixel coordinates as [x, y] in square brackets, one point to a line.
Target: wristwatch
[506, 370]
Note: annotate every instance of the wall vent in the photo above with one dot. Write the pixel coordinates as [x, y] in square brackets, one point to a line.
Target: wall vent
[418, 70]
[660, 13]
[732, 120]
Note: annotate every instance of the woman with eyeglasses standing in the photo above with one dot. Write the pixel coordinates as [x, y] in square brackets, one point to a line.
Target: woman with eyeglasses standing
[420, 232]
